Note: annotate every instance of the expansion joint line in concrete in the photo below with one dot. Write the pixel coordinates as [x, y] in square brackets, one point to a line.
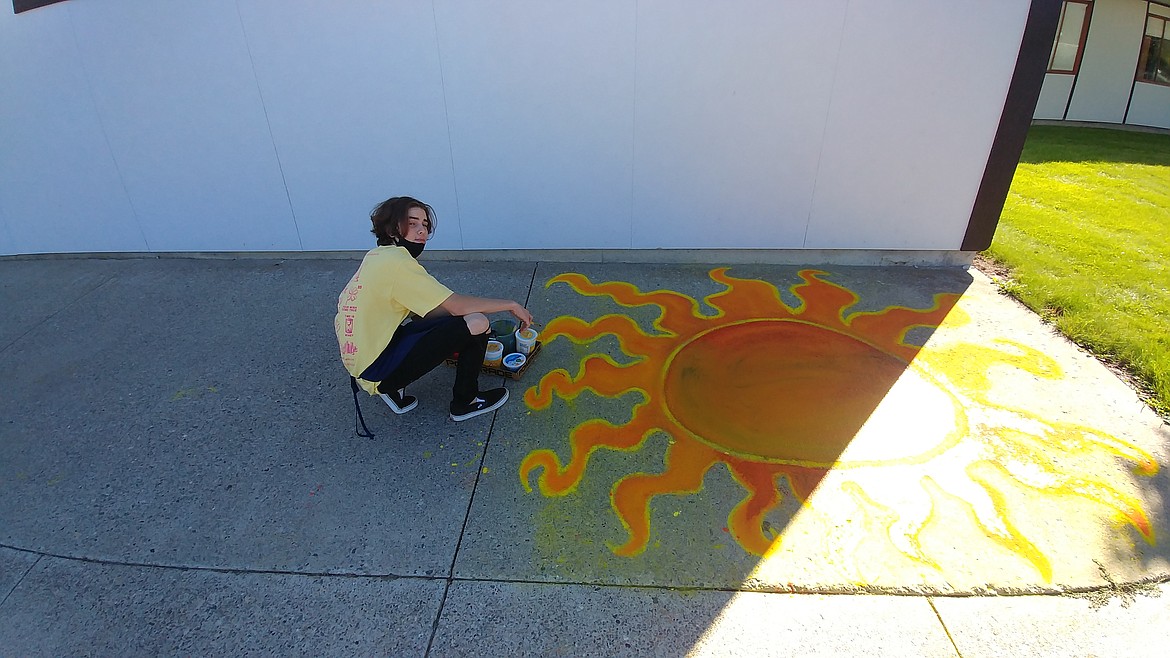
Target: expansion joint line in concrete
[54, 314]
[451, 578]
[463, 529]
[531, 282]
[942, 623]
[19, 580]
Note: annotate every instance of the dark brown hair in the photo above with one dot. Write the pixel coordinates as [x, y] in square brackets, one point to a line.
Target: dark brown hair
[388, 216]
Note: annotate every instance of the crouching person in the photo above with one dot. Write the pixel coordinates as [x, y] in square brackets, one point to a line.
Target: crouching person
[381, 350]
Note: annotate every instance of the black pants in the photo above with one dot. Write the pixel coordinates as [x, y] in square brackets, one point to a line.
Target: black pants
[448, 336]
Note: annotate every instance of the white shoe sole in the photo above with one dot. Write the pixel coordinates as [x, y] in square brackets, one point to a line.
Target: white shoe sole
[395, 408]
[480, 412]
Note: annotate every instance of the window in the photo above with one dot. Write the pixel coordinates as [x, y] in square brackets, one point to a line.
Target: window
[1070, 37]
[1154, 61]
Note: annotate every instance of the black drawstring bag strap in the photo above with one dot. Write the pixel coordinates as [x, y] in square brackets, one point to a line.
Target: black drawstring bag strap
[358, 408]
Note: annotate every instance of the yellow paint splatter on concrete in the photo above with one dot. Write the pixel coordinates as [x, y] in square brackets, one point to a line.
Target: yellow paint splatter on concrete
[193, 392]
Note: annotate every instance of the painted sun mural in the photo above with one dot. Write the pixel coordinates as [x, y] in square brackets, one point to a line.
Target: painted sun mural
[818, 399]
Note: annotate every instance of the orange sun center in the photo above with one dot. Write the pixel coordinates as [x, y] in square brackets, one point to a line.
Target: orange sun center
[736, 389]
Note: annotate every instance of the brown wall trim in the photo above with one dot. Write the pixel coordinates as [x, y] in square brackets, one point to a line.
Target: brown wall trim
[1024, 91]
[24, 5]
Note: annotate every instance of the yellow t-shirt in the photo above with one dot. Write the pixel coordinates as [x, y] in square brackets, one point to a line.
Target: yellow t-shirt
[388, 286]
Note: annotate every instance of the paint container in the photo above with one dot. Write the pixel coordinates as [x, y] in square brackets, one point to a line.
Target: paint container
[505, 332]
[515, 361]
[495, 352]
[526, 341]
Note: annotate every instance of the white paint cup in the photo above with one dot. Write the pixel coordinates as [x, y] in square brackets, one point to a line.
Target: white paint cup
[495, 352]
[526, 340]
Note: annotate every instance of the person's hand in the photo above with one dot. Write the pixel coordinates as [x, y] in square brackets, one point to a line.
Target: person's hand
[522, 315]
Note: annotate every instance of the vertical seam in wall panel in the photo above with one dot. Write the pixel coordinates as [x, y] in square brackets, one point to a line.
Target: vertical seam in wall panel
[825, 126]
[634, 126]
[1068, 101]
[105, 133]
[447, 121]
[1133, 83]
[268, 122]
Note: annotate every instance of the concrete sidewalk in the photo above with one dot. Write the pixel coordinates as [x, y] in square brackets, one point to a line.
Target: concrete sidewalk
[765, 460]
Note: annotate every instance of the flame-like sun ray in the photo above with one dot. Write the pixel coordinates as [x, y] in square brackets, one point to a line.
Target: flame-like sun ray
[1124, 505]
[967, 367]
[888, 328]
[822, 302]
[1065, 438]
[599, 373]
[745, 523]
[629, 335]
[685, 465]
[999, 529]
[557, 479]
[745, 298]
[886, 518]
[678, 310]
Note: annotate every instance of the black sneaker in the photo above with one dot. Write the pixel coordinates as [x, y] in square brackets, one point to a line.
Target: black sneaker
[483, 403]
[398, 401]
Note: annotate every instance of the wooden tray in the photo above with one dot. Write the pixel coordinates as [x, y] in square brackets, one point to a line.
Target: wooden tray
[504, 372]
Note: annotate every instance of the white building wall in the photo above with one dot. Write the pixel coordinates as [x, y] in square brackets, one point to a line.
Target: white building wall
[174, 87]
[158, 125]
[540, 99]
[353, 93]
[1054, 96]
[908, 135]
[59, 185]
[1109, 62]
[730, 112]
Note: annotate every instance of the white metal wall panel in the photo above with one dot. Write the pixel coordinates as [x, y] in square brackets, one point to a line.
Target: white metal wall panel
[1109, 61]
[540, 103]
[270, 125]
[731, 106]
[908, 133]
[1150, 106]
[354, 98]
[59, 185]
[1053, 96]
[174, 87]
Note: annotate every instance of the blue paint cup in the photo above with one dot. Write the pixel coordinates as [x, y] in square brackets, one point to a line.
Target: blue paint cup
[514, 361]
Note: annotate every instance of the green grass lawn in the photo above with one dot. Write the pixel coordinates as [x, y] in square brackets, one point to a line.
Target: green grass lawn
[1085, 234]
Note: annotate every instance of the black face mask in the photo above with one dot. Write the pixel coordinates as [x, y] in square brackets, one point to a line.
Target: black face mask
[415, 248]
